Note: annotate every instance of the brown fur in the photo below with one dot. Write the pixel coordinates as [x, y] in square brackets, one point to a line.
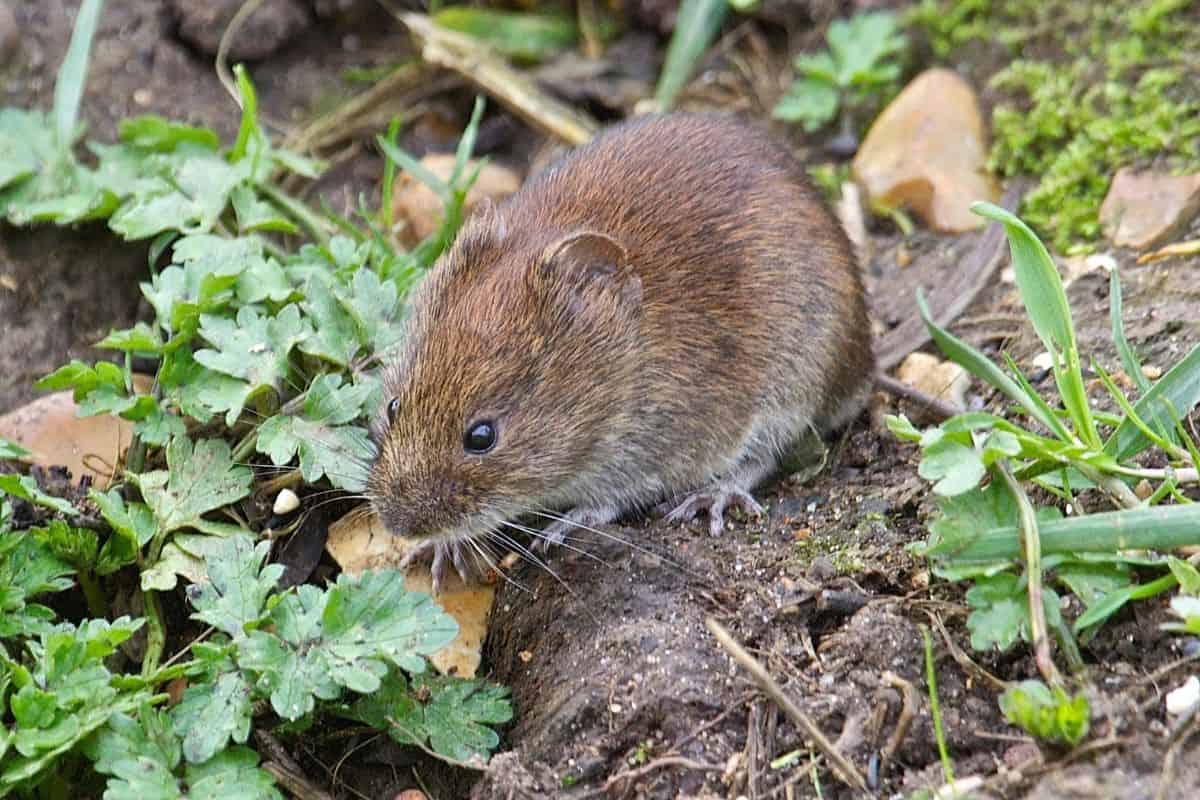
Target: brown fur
[668, 306]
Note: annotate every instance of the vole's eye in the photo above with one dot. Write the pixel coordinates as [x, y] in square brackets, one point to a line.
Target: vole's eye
[480, 437]
[393, 409]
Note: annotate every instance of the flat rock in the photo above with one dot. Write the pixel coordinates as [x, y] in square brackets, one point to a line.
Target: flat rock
[944, 380]
[421, 208]
[49, 427]
[1143, 209]
[265, 32]
[927, 152]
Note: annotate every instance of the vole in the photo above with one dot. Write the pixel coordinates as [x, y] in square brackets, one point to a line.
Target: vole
[657, 316]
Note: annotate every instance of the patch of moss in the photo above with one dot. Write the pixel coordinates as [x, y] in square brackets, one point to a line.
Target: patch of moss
[1095, 88]
[846, 557]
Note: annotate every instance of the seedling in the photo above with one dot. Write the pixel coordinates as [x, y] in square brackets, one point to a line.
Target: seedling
[990, 531]
[855, 72]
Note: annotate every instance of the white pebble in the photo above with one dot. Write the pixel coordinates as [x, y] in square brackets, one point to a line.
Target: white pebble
[1043, 361]
[1185, 698]
[285, 502]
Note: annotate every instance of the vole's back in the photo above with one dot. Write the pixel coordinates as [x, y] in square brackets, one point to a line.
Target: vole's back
[754, 315]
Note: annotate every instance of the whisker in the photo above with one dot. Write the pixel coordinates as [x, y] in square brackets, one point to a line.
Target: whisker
[618, 539]
[535, 533]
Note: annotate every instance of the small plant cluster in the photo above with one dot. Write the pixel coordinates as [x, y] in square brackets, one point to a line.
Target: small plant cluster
[1003, 481]
[267, 335]
[857, 72]
[1120, 90]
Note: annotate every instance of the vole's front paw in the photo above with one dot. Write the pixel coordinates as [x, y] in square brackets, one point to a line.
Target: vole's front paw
[584, 519]
[715, 500]
[443, 556]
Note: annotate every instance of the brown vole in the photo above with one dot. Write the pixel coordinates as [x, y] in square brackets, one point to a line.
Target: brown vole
[662, 312]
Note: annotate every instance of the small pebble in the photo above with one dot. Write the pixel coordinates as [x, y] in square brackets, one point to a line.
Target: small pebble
[1043, 360]
[1185, 698]
[1152, 372]
[285, 502]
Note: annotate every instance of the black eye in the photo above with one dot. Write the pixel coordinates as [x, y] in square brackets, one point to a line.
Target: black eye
[480, 437]
[392, 410]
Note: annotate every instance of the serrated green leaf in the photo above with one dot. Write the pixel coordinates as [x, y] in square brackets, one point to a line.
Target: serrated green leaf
[953, 466]
[160, 427]
[25, 487]
[140, 754]
[964, 517]
[326, 446]
[1000, 611]
[197, 480]
[859, 46]
[255, 215]
[75, 546]
[239, 582]
[458, 714]
[211, 714]
[809, 102]
[375, 614]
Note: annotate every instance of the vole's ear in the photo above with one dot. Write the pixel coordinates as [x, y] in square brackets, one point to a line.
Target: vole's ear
[590, 273]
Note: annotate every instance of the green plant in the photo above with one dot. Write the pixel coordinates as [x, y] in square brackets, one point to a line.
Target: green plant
[857, 70]
[266, 350]
[1088, 89]
[1003, 480]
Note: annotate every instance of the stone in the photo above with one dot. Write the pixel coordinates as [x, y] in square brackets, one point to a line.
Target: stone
[927, 152]
[91, 446]
[358, 542]
[267, 30]
[944, 380]
[1144, 209]
[421, 208]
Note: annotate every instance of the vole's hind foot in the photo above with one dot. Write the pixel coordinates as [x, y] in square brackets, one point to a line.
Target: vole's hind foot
[584, 519]
[716, 500]
[443, 556]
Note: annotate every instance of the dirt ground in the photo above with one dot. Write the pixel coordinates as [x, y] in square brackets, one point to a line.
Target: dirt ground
[619, 689]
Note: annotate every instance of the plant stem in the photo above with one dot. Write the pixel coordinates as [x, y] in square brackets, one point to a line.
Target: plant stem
[1116, 489]
[304, 216]
[1031, 548]
[156, 635]
[935, 708]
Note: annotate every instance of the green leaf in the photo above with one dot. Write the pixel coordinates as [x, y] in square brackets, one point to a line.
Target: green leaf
[810, 102]
[1046, 304]
[25, 487]
[28, 568]
[132, 528]
[524, 36]
[981, 367]
[68, 89]
[457, 716]
[375, 614]
[697, 23]
[1090, 581]
[1187, 575]
[1129, 360]
[197, 480]
[232, 774]
[1172, 396]
[159, 427]
[952, 465]
[76, 546]
[254, 349]
[1000, 611]
[255, 215]
[326, 446]
[188, 197]
[141, 338]
[210, 714]
[152, 132]
[239, 582]
[1049, 714]
[140, 754]
[13, 451]
[859, 46]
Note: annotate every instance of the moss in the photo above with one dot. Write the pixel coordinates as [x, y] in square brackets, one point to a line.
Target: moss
[1096, 88]
[846, 557]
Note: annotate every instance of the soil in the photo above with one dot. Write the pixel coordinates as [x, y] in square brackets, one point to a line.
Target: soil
[619, 689]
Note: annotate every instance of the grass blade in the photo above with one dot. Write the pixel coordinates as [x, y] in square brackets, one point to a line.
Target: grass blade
[466, 144]
[1180, 387]
[1128, 358]
[697, 26]
[1157, 528]
[522, 35]
[981, 367]
[1045, 301]
[68, 89]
